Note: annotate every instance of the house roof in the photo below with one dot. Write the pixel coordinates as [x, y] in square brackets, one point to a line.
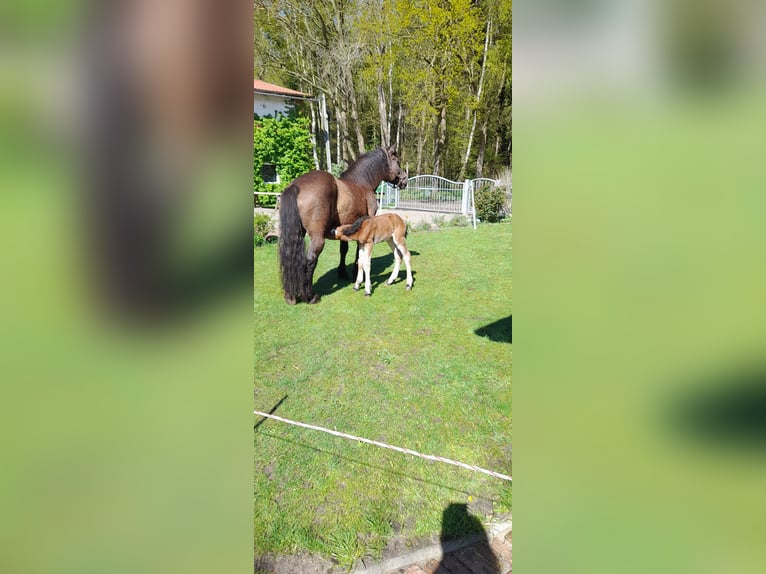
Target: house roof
[266, 88]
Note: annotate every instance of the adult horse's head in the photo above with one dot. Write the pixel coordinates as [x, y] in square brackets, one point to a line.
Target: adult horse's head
[397, 175]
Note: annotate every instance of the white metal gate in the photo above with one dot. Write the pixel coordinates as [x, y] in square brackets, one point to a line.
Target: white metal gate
[435, 194]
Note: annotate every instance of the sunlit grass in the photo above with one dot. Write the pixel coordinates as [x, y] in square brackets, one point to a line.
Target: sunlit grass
[406, 368]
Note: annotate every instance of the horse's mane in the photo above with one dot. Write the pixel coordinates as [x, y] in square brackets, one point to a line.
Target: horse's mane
[354, 227]
[367, 168]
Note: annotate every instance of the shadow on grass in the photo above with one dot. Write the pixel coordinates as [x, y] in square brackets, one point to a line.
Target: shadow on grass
[329, 282]
[500, 331]
[371, 466]
[731, 414]
[271, 412]
[478, 557]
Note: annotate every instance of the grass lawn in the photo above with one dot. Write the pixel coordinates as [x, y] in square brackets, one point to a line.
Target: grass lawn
[428, 369]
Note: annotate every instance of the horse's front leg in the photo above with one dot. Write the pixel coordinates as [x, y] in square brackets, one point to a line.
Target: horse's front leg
[315, 248]
[342, 273]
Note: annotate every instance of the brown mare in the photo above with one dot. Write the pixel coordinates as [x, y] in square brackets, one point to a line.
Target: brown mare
[388, 227]
[317, 202]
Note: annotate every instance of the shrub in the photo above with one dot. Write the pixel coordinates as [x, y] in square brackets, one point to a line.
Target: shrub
[459, 221]
[261, 226]
[490, 203]
[284, 142]
[505, 181]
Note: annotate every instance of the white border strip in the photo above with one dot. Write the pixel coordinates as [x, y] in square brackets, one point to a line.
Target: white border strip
[384, 445]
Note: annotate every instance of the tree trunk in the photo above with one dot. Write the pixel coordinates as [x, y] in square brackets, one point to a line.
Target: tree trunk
[482, 148]
[421, 142]
[355, 117]
[441, 139]
[478, 101]
[398, 125]
[313, 135]
[385, 134]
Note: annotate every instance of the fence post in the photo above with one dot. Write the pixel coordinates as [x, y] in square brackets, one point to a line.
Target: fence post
[466, 196]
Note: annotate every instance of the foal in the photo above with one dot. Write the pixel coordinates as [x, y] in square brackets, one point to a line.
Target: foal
[368, 231]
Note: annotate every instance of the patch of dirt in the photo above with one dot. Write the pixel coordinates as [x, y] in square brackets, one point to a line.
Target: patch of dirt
[303, 563]
[398, 545]
[268, 470]
[480, 506]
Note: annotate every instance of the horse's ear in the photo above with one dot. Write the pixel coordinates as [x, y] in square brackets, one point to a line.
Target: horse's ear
[391, 149]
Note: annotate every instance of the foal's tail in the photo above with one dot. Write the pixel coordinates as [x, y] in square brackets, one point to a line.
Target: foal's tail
[292, 250]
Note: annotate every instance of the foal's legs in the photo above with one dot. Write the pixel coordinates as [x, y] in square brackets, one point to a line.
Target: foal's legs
[397, 261]
[402, 246]
[366, 252]
[315, 248]
[360, 272]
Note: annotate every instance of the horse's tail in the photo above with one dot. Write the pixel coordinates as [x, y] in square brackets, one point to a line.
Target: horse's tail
[292, 250]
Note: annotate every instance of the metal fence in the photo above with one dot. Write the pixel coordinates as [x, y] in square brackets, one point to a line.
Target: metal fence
[423, 193]
[434, 194]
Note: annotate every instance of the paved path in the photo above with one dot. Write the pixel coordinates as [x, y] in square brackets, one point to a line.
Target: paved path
[411, 216]
[479, 554]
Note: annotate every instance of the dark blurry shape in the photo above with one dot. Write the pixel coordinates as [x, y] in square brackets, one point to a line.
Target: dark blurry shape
[702, 43]
[500, 331]
[476, 556]
[271, 412]
[730, 414]
[167, 96]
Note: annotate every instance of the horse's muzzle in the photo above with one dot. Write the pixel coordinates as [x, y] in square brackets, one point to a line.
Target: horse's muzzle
[402, 180]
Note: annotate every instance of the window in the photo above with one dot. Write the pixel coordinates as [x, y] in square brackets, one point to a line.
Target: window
[269, 173]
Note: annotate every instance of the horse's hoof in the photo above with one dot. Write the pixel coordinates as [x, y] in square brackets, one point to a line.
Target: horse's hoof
[290, 300]
[314, 299]
[356, 287]
[368, 294]
[389, 282]
[409, 287]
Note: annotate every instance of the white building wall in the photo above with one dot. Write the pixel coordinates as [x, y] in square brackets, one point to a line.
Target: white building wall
[269, 105]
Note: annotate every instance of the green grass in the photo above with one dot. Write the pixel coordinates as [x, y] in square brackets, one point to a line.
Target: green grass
[406, 368]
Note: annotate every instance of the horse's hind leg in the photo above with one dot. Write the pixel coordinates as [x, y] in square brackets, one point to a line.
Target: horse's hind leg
[402, 246]
[315, 248]
[397, 261]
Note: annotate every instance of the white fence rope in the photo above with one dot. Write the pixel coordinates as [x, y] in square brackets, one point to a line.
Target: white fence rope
[384, 445]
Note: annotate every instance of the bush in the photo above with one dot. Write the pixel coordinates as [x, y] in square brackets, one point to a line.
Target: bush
[284, 142]
[459, 221]
[261, 227]
[505, 181]
[490, 203]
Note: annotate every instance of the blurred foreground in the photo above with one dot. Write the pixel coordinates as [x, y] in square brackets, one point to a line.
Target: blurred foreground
[640, 364]
[126, 325]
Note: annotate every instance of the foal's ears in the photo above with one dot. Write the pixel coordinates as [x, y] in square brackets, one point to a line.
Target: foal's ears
[391, 150]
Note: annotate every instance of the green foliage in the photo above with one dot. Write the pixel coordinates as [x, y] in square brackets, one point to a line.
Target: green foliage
[284, 141]
[459, 221]
[261, 226]
[401, 63]
[490, 203]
